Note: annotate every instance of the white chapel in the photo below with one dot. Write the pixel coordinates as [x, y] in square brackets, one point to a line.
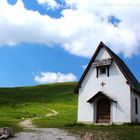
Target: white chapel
[108, 92]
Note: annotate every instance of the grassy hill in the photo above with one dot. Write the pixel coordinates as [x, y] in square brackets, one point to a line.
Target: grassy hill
[17, 104]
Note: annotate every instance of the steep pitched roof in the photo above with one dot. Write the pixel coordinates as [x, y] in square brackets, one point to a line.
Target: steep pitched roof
[132, 81]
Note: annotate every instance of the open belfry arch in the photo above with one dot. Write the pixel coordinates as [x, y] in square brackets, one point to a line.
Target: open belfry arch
[108, 92]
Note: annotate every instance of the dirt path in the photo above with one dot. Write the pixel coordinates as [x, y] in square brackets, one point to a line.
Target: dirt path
[28, 123]
[51, 114]
[42, 133]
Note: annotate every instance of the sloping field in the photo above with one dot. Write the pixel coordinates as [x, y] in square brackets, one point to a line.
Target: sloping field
[51, 105]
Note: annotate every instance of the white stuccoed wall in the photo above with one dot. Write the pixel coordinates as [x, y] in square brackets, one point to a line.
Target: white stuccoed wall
[115, 86]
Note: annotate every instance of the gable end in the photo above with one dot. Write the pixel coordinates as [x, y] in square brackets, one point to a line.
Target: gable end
[131, 80]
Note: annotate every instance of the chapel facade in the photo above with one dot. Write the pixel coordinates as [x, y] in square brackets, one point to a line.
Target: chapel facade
[108, 92]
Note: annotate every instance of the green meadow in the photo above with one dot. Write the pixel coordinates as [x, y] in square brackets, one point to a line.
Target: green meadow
[18, 104]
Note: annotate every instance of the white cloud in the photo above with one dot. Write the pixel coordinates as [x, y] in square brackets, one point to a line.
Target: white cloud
[79, 30]
[52, 77]
[51, 3]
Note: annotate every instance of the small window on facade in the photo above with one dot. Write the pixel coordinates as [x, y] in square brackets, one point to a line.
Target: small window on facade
[102, 70]
[136, 106]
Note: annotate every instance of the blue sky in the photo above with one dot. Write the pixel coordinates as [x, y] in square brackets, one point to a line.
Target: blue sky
[19, 65]
[59, 49]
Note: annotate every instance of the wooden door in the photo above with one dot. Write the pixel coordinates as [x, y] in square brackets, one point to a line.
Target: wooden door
[103, 111]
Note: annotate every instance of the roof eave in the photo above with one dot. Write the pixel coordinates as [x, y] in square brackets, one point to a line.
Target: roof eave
[136, 90]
